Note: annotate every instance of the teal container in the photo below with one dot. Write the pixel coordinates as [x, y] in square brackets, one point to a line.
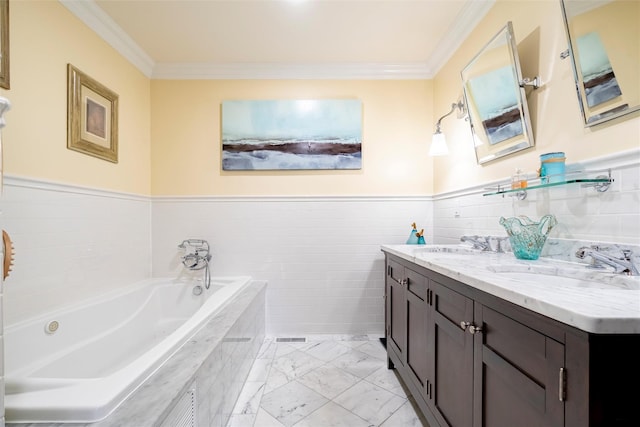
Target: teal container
[527, 237]
[552, 167]
[413, 238]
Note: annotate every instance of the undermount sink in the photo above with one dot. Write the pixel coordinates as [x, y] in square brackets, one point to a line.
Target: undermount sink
[579, 277]
[447, 249]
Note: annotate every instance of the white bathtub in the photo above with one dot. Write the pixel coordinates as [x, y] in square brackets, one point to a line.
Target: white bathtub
[103, 349]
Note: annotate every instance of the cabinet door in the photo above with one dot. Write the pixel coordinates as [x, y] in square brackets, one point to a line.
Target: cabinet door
[450, 387]
[518, 378]
[396, 311]
[416, 347]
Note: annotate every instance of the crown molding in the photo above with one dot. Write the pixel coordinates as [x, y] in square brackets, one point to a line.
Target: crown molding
[347, 71]
[471, 14]
[102, 24]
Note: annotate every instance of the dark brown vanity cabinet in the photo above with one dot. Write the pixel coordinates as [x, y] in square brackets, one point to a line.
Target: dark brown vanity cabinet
[474, 360]
[425, 342]
[519, 374]
[395, 309]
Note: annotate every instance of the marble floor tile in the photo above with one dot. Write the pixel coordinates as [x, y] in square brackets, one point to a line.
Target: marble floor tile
[264, 419]
[328, 380]
[388, 380]
[268, 349]
[260, 370]
[242, 420]
[332, 415]
[358, 363]
[370, 402]
[326, 350]
[375, 349]
[275, 380]
[405, 416]
[283, 349]
[249, 400]
[306, 387]
[291, 403]
[296, 364]
[351, 344]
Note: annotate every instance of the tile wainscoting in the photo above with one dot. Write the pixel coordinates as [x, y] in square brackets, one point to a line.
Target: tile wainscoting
[320, 255]
[71, 244]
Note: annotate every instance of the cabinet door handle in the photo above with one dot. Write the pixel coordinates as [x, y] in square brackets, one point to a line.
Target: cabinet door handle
[464, 325]
[475, 329]
[562, 384]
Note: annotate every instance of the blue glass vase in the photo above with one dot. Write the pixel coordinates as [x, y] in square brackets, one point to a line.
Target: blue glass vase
[527, 237]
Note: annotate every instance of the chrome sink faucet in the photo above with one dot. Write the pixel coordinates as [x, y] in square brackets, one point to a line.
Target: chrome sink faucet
[478, 242]
[624, 264]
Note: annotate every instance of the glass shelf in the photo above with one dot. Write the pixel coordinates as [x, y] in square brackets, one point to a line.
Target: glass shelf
[601, 183]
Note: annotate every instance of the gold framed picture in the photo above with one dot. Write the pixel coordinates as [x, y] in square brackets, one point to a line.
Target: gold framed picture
[4, 44]
[92, 116]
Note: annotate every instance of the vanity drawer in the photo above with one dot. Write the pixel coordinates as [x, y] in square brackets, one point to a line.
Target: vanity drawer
[417, 284]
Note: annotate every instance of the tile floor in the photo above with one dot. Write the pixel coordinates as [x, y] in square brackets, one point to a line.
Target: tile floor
[324, 382]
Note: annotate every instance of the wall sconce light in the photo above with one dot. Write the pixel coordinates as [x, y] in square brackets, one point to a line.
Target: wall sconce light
[477, 142]
[438, 141]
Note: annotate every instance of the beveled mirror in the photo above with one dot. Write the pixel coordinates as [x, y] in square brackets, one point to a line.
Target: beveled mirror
[604, 47]
[496, 100]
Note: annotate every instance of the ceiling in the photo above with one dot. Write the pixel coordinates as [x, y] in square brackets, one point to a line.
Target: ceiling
[283, 38]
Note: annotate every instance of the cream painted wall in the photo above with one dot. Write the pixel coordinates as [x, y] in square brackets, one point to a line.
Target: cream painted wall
[186, 135]
[44, 37]
[557, 123]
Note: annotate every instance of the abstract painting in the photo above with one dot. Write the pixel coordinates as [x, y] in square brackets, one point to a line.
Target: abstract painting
[599, 80]
[291, 134]
[495, 97]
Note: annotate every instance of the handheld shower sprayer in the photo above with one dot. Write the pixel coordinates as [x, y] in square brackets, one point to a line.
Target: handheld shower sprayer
[197, 257]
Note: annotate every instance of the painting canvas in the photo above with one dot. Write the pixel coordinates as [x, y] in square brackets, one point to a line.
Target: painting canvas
[599, 80]
[495, 97]
[291, 134]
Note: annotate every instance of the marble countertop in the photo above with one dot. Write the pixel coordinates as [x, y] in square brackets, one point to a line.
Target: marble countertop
[593, 301]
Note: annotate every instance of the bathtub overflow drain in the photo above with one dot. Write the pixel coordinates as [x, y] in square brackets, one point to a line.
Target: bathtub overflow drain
[51, 327]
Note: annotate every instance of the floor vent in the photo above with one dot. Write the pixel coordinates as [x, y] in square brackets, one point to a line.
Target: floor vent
[290, 339]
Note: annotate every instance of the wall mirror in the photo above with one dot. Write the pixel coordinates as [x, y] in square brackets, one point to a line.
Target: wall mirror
[604, 47]
[494, 92]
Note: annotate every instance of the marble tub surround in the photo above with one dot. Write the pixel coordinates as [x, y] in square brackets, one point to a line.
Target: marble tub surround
[325, 381]
[216, 359]
[590, 300]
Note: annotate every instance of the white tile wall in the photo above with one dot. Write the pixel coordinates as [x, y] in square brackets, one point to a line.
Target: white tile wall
[320, 255]
[71, 243]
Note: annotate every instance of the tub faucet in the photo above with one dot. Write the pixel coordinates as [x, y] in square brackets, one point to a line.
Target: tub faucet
[624, 264]
[478, 242]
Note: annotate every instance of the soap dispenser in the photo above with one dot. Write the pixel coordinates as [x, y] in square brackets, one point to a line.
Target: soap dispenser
[413, 237]
[421, 237]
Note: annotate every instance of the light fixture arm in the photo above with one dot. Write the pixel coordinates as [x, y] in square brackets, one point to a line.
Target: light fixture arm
[459, 105]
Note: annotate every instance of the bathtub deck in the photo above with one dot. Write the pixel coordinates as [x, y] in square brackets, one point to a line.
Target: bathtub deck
[217, 359]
